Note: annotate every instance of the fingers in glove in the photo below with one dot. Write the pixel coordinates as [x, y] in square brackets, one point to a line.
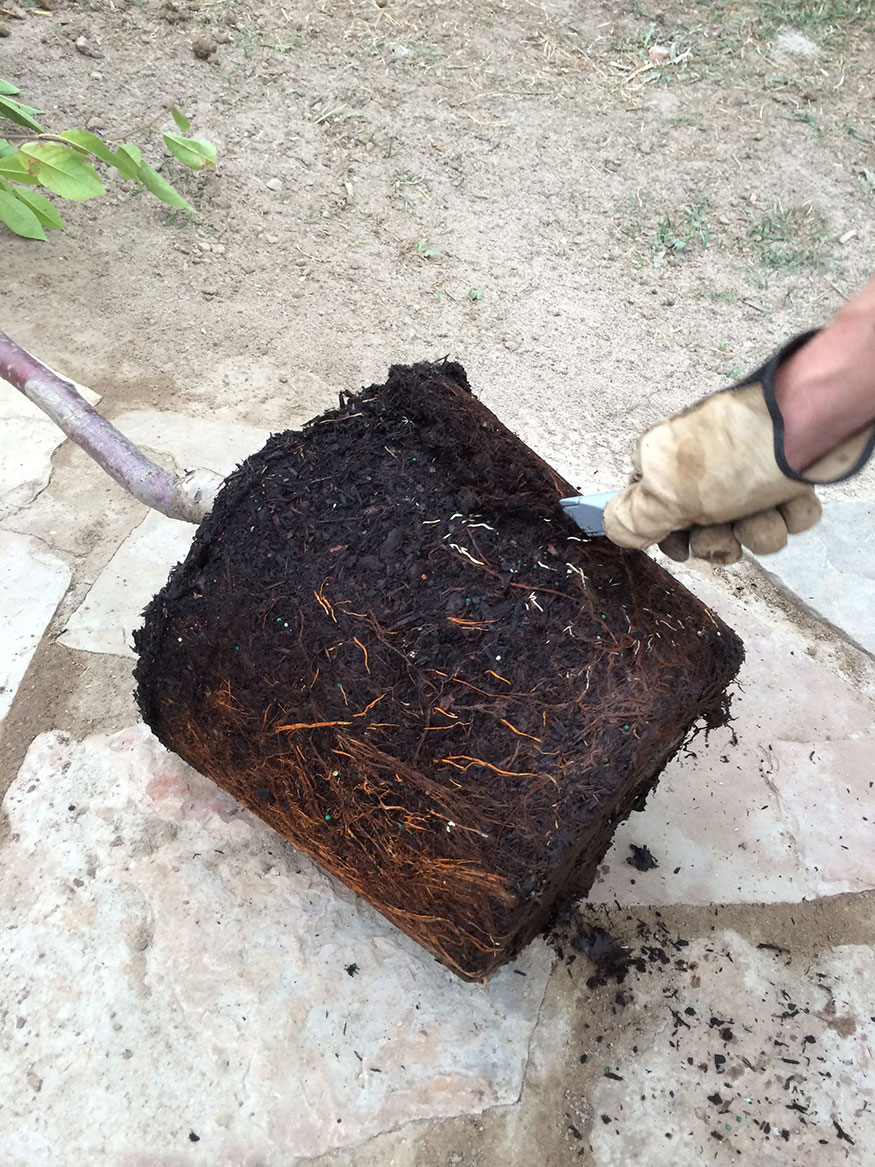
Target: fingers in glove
[637, 518]
[763, 534]
[676, 546]
[716, 544]
[801, 512]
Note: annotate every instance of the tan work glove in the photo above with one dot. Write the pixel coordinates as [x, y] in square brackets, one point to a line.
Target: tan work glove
[714, 478]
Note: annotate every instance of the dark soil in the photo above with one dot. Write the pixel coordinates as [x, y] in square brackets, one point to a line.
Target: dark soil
[389, 642]
[641, 858]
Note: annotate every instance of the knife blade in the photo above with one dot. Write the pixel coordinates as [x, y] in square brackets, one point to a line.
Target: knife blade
[586, 510]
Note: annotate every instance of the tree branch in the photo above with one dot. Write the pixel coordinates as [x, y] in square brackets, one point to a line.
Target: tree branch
[188, 498]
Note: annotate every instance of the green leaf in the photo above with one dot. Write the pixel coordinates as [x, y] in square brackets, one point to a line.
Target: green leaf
[19, 113]
[162, 189]
[6, 87]
[45, 211]
[19, 218]
[64, 171]
[90, 142]
[7, 150]
[11, 166]
[181, 120]
[129, 161]
[193, 152]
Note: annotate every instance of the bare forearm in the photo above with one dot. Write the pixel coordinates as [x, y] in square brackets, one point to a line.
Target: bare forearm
[826, 390]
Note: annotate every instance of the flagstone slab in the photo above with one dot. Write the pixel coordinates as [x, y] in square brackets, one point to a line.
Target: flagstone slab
[32, 584]
[778, 806]
[112, 609]
[832, 569]
[742, 1054]
[171, 971]
[28, 439]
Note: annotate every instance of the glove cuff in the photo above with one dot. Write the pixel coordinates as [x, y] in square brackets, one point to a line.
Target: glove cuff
[765, 376]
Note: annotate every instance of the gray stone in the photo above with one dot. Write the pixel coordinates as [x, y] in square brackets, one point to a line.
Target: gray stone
[32, 584]
[112, 610]
[831, 569]
[792, 43]
[178, 967]
[789, 1063]
[743, 818]
[28, 438]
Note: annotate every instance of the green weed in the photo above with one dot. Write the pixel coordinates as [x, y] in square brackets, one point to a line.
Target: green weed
[807, 120]
[678, 236]
[675, 234]
[425, 249]
[787, 239]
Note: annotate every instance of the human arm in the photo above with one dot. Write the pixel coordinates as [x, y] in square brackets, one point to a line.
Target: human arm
[826, 391]
[723, 474]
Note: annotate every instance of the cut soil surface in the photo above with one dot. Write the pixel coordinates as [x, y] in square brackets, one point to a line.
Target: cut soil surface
[389, 642]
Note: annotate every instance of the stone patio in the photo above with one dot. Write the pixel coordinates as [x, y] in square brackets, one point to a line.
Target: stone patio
[179, 986]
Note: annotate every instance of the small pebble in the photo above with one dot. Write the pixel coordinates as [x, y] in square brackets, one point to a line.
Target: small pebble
[83, 47]
[274, 184]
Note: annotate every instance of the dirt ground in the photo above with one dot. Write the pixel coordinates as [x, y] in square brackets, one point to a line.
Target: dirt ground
[597, 237]
[602, 210]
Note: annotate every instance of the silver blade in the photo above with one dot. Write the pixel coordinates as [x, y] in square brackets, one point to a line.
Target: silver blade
[586, 510]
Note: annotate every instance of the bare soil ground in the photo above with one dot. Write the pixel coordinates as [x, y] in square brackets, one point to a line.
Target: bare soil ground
[599, 232]
[599, 236]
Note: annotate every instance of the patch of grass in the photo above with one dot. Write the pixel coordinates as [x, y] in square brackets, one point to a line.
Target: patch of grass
[867, 180]
[676, 234]
[724, 296]
[661, 71]
[826, 20]
[475, 293]
[787, 239]
[680, 235]
[812, 15]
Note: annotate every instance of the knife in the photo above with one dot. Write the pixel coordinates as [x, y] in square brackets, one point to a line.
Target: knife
[586, 510]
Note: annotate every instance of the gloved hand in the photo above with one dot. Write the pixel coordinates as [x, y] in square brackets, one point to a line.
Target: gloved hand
[714, 478]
